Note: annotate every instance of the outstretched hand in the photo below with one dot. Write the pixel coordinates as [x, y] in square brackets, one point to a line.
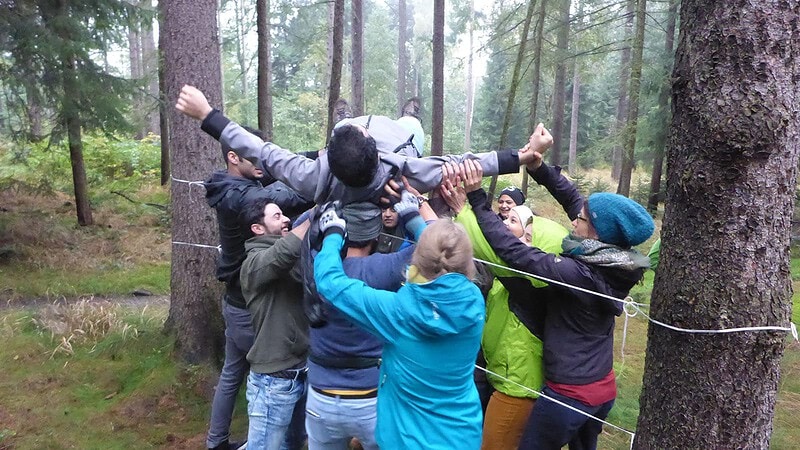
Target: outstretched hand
[193, 103]
[538, 143]
[452, 189]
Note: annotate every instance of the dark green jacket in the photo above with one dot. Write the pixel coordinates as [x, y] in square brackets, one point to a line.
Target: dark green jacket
[271, 288]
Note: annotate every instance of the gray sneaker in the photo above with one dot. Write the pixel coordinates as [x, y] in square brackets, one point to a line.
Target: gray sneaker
[412, 108]
[341, 110]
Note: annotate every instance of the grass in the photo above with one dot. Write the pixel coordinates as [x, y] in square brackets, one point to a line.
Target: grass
[119, 390]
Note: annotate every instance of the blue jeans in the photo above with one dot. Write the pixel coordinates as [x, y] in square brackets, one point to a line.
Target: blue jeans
[238, 340]
[271, 406]
[332, 421]
[551, 425]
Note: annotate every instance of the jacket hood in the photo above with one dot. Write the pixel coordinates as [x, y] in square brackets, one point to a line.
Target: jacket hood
[220, 182]
[447, 305]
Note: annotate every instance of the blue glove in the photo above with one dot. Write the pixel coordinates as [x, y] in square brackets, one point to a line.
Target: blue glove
[330, 222]
[408, 206]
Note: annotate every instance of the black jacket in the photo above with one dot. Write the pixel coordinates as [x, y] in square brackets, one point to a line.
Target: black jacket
[229, 195]
[577, 329]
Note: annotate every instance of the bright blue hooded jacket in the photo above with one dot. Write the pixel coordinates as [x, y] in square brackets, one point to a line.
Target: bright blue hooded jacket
[431, 331]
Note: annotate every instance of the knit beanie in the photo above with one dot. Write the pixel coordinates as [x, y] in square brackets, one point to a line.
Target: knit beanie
[525, 214]
[619, 220]
[515, 193]
[363, 221]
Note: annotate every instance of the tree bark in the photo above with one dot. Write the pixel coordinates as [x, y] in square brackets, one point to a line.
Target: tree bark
[265, 123]
[334, 89]
[357, 77]
[437, 89]
[622, 99]
[559, 88]
[628, 153]
[731, 180]
[663, 104]
[163, 109]
[402, 54]
[192, 56]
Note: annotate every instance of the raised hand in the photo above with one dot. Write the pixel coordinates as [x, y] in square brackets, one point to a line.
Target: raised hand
[330, 222]
[193, 103]
[473, 174]
[538, 143]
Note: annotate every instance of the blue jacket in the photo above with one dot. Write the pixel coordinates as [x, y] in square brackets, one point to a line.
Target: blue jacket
[431, 332]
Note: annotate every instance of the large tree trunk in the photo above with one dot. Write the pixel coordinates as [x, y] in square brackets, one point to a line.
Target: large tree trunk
[559, 85]
[241, 50]
[470, 100]
[264, 68]
[357, 76]
[437, 90]
[628, 153]
[663, 105]
[402, 54]
[537, 64]
[334, 89]
[191, 56]
[731, 179]
[512, 91]
[622, 98]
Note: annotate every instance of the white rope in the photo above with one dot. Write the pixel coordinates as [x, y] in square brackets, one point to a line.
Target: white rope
[792, 328]
[631, 433]
[216, 247]
[190, 183]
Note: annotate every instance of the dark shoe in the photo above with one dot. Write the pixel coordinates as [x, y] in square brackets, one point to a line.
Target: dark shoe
[411, 108]
[226, 445]
[341, 110]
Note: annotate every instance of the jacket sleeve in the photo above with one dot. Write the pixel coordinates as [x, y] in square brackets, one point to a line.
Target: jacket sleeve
[263, 267]
[480, 248]
[373, 309]
[426, 173]
[300, 173]
[563, 190]
[522, 257]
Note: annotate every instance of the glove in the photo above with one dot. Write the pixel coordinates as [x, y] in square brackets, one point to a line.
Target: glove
[330, 222]
[408, 206]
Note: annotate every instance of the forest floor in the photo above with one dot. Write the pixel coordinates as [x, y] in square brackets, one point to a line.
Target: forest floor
[86, 364]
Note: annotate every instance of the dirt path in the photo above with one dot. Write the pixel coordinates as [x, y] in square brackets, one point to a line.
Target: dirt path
[136, 301]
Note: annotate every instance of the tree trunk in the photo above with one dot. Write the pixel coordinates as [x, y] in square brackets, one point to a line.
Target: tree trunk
[241, 58]
[163, 109]
[357, 76]
[731, 179]
[512, 91]
[334, 89]
[150, 70]
[437, 89]
[470, 82]
[628, 153]
[573, 124]
[559, 88]
[191, 56]
[264, 68]
[402, 54]
[622, 99]
[537, 64]
[663, 105]
[73, 123]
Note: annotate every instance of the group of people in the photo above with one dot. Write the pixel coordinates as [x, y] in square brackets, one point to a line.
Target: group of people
[356, 309]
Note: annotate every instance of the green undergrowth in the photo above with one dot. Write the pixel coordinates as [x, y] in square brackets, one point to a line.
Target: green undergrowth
[25, 282]
[120, 390]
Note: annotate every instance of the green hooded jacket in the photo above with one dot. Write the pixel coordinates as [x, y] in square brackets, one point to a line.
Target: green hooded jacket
[510, 349]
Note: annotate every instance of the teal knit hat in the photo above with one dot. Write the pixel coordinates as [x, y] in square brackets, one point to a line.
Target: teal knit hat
[619, 220]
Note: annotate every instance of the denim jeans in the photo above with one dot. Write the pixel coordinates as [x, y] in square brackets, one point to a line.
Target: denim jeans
[271, 404]
[551, 425]
[238, 340]
[332, 421]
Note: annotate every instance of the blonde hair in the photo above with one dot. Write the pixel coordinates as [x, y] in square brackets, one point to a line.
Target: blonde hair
[444, 247]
